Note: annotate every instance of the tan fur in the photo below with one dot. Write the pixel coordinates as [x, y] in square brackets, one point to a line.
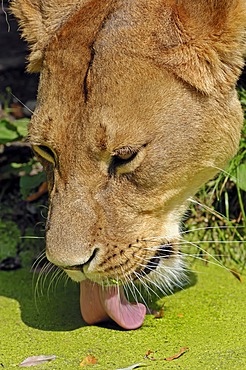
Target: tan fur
[156, 76]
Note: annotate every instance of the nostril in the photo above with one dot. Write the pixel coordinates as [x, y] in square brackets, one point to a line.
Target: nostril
[81, 266]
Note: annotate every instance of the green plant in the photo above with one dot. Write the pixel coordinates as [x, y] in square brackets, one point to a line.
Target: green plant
[12, 130]
[20, 176]
[29, 171]
[10, 237]
[216, 227]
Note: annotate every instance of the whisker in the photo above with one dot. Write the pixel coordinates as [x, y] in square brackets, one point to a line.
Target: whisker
[133, 291]
[147, 280]
[38, 288]
[173, 275]
[218, 263]
[141, 279]
[211, 228]
[152, 282]
[196, 256]
[66, 279]
[24, 105]
[31, 237]
[219, 215]
[130, 283]
[234, 179]
[139, 291]
[38, 260]
[6, 16]
[154, 239]
[211, 241]
[57, 275]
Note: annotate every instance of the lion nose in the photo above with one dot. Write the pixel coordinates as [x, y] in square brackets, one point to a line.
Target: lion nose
[83, 262]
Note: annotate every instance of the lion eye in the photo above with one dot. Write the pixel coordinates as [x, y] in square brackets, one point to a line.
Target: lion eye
[46, 153]
[124, 159]
[123, 156]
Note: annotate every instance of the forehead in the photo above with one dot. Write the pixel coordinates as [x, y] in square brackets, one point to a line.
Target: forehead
[99, 85]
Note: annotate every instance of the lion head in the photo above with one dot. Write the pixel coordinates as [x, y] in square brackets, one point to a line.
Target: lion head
[136, 110]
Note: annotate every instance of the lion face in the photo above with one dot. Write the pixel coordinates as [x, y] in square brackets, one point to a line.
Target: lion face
[133, 116]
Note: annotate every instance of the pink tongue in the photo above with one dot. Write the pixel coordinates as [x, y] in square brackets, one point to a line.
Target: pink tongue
[99, 303]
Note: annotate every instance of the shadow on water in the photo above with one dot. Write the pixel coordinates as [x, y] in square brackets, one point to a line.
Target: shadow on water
[57, 308]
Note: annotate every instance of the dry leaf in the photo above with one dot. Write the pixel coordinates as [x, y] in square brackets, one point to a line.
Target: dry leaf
[174, 357]
[159, 314]
[41, 190]
[180, 315]
[181, 352]
[147, 354]
[135, 366]
[236, 274]
[36, 360]
[88, 360]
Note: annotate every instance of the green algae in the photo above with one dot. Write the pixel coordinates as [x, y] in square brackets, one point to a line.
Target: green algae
[208, 317]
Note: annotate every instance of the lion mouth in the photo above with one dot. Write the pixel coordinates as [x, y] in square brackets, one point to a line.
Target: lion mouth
[164, 251]
[101, 302]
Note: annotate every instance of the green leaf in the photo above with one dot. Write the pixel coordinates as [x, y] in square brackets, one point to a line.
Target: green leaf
[10, 238]
[8, 132]
[23, 167]
[29, 183]
[21, 126]
[241, 176]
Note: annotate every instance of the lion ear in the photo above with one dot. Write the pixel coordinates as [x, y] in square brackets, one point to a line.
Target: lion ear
[209, 44]
[38, 21]
[29, 15]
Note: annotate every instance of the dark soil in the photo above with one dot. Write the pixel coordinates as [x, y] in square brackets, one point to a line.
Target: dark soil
[13, 53]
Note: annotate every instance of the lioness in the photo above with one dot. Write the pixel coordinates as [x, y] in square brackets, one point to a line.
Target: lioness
[136, 109]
